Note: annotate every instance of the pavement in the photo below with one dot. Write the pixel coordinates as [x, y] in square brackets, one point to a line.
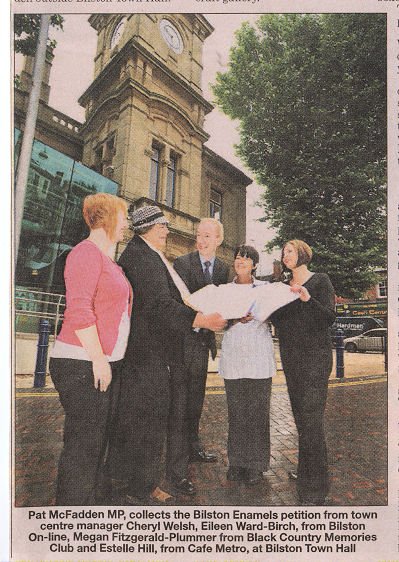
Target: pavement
[356, 434]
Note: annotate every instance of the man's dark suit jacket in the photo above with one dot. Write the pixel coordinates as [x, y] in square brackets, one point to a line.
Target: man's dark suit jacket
[190, 269]
[159, 316]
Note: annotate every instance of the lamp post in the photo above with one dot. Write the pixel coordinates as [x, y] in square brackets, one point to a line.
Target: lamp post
[29, 130]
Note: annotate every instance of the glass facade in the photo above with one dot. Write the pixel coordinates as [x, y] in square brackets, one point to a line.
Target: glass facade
[52, 220]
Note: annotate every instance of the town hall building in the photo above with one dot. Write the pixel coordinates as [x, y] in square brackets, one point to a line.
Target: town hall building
[143, 139]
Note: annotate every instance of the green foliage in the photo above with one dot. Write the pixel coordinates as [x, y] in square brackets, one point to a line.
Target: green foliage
[310, 94]
[26, 32]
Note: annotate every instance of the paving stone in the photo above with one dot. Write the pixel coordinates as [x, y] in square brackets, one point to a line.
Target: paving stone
[356, 435]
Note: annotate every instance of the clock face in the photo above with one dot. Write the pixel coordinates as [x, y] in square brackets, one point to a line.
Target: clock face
[117, 34]
[171, 36]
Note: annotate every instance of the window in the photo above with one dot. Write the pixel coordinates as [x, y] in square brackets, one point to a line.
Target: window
[215, 208]
[52, 219]
[375, 333]
[154, 173]
[170, 180]
[382, 289]
[98, 160]
[109, 149]
[103, 155]
[45, 186]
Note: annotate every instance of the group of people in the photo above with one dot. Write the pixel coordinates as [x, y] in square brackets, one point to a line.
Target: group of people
[130, 362]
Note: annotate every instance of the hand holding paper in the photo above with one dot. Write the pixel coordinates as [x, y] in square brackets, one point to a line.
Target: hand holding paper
[271, 297]
[214, 321]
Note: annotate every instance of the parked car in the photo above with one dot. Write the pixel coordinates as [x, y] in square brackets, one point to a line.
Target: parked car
[372, 340]
[354, 325]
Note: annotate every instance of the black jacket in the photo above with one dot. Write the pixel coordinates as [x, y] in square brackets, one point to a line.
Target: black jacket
[160, 319]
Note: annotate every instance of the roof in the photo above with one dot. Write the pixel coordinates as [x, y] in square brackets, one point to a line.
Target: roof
[227, 166]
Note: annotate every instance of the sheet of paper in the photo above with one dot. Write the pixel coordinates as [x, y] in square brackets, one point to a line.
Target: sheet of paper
[230, 301]
[234, 301]
[271, 297]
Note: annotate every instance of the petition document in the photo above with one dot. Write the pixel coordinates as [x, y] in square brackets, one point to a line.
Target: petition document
[235, 301]
[225, 521]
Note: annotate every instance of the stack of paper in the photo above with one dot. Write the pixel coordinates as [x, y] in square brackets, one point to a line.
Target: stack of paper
[235, 301]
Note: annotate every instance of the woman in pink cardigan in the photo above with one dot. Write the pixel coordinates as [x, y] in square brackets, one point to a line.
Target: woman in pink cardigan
[89, 348]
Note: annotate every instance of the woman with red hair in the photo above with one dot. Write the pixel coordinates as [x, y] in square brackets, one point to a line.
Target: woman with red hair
[89, 348]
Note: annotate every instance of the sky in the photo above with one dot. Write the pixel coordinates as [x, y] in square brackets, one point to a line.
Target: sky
[72, 72]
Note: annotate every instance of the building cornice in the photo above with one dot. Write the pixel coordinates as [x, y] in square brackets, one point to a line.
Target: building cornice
[132, 43]
[242, 178]
[98, 21]
[151, 97]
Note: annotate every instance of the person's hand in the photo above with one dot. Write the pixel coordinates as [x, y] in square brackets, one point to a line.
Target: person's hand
[246, 318]
[102, 373]
[302, 291]
[214, 322]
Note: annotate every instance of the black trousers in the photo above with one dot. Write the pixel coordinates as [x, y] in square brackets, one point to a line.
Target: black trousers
[136, 449]
[88, 421]
[177, 450]
[196, 355]
[307, 376]
[248, 403]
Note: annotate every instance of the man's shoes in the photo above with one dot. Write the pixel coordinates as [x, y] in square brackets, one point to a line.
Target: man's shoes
[119, 485]
[253, 476]
[236, 473]
[292, 475]
[202, 456]
[184, 486]
[130, 499]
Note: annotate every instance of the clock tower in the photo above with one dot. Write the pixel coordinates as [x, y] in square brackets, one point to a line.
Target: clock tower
[145, 109]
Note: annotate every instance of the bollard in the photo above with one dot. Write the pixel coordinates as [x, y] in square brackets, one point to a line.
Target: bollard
[386, 352]
[41, 358]
[339, 350]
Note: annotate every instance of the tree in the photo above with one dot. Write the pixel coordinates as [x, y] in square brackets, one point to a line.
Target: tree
[310, 94]
[26, 31]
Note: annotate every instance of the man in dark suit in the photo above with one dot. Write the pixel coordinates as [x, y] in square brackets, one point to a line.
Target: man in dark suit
[154, 356]
[198, 269]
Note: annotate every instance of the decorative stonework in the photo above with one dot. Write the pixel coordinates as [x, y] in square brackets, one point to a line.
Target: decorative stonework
[157, 104]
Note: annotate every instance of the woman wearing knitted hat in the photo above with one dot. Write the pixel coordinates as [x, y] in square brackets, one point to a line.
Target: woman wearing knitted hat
[153, 372]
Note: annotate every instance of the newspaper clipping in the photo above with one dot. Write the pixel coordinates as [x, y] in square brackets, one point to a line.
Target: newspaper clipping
[238, 110]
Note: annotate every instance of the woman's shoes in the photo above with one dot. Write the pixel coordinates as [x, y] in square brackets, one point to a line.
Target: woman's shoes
[253, 476]
[184, 486]
[312, 501]
[236, 473]
[250, 476]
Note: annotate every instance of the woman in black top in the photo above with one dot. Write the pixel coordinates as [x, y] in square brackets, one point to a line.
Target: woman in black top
[306, 356]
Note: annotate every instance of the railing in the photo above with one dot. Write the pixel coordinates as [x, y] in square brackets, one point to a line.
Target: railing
[39, 305]
[65, 121]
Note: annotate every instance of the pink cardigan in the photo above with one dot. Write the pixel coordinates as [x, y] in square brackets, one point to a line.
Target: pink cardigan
[97, 292]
